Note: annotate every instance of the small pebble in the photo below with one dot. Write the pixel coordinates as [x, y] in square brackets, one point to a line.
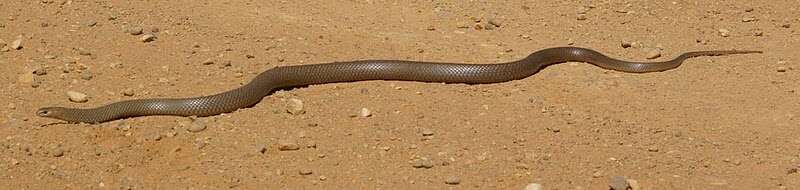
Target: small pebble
[77, 97]
[634, 184]
[134, 30]
[422, 163]
[782, 69]
[147, 38]
[758, 33]
[87, 76]
[196, 126]
[724, 32]
[50, 56]
[653, 53]
[16, 44]
[287, 145]
[619, 183]
[581, 17]
[58, 152]
[306, 171]
[91, 23]
[427, 132]
[749, 19]
[626, 43]
[127, 92]
[208, 61]
[295, 107]
[83, 52]
[365, 112]
[452, 180]
[534, 186]
[495, 22]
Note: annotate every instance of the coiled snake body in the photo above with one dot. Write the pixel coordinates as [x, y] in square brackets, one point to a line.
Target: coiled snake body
[289, 76]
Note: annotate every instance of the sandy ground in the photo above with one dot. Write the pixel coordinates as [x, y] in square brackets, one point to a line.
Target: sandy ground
[727, 122]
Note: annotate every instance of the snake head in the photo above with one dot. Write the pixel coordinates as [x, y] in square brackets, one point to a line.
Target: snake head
[51, 112]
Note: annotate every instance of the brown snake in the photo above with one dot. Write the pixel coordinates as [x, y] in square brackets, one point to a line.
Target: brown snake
[290, 76]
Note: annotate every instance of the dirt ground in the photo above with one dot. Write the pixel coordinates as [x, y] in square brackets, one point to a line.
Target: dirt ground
[729, 122]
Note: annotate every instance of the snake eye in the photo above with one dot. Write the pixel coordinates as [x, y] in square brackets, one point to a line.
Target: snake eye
[43, 113]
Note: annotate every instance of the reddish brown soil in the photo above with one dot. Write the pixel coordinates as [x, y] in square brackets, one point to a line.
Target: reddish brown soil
[727, 122]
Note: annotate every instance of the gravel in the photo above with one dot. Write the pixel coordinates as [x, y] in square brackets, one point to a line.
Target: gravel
[77, 97]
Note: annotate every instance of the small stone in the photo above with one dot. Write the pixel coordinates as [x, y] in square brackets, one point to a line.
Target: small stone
[787, 25]
[724, 32]
[134, 30]
[196, 126]
[295, 107]
[495, 22]
[40, 71]
[58, 152]
[147, 38]
[262, 149]
[653, 53]
[534, 186]
[83, 52]
[581, 17]
[208, 61]
[365, 112]
[452, 180]
[87, 76]
[758, 33]
[306, 171]
[127, 92]
[782, 69]
[16, 44]
[14, 161]
[4, 49]
[427, 132]
[288, 145]
[652, 149]
[619, 183]
[597, 174]
[749, 19]
[91, 23]
[422, 163]
[634, 184]
[77, 97]
[626, 43]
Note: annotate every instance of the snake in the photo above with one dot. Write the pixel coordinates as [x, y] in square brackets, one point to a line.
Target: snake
[281, 77]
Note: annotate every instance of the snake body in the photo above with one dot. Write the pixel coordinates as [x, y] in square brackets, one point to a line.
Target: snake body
[290, 76]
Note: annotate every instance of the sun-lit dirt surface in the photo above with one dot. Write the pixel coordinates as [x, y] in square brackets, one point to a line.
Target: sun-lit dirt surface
[730, 122]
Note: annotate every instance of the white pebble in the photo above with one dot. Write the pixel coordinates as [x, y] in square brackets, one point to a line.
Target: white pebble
[653, 53]
[77, 97]
[724, 32]
[16, 44]
[147, 38]
[196, 126]
[295, 107]
[452, 180]
[534, 186]
[365, 112]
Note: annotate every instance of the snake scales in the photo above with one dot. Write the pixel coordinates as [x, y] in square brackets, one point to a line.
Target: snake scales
[289, 76]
